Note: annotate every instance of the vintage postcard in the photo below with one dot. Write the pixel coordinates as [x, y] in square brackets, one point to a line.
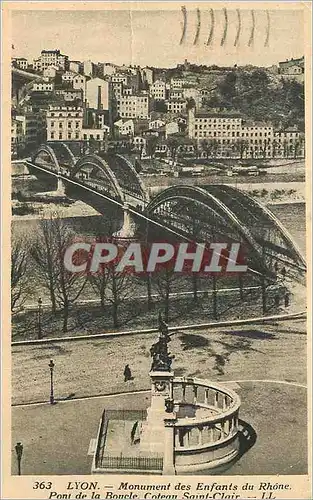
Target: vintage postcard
[156, 201]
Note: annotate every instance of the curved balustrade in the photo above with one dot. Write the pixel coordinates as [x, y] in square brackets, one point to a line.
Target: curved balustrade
[206, 425]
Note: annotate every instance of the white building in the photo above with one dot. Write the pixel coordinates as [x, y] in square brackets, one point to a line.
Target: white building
[158, 90]
[20, 62]
[125, 127]
[42, 86]
[68, 76]
[176, 106]
[177, 83]
[64, 123]
[155, 124]
[171, 128]
[120, 78]
[134, 106]
[95, 133]
[75, 66]
[33, 128]
[193, 93]
[50, 71]
[88, 68]
[147, 75]
[69, 95]
[37, 64]
[79, 83]
[108, 69]
[53, 58]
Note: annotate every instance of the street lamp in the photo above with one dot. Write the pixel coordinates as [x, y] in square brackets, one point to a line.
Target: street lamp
[39, 318]
[19, 453]
[51, 366]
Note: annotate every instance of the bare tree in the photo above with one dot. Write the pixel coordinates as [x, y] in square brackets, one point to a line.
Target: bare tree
[43, 252]
[64, 287]
[113, 287]
[20, 286]
[164, 279]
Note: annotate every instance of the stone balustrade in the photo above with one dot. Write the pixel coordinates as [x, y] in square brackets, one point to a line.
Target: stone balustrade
[206, 426]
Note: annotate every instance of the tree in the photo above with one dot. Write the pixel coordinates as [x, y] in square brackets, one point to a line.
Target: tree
[227, 87]
[20, 287]
[113, 287]
[44, 256]
[151, 145]
[164, 279]
[205, 146]
[64, 287]
[173, 144]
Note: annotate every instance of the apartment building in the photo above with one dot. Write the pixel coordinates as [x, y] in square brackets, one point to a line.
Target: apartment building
[32, 127]
[76, 66]
[232, 137]
[68, 77]
[134, 106]
[64, 123]
[125, 127]
[20, 62]
[17, 137]
[158, 90]
[176, 106]
[43, 86]
[53, 58]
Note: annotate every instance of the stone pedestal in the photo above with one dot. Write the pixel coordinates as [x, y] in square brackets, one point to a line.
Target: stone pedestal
[153, 429]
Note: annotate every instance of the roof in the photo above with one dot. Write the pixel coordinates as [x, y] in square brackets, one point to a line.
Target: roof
[292, 62]
[222, 114]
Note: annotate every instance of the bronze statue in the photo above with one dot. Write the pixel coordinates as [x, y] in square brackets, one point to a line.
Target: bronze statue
[161, 359]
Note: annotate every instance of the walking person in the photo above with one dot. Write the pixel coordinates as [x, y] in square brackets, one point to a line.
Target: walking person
[127, 373]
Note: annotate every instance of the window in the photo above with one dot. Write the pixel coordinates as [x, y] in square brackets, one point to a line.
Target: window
[76, 135]
[69, 124]
[60, 135]
[52, 124]
[69, 135]
[77, 124]
[60, 125]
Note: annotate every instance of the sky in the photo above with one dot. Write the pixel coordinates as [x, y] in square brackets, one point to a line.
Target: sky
[153, 37]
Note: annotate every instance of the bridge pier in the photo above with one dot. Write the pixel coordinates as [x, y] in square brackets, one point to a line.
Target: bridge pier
[129, 225]
[60, 186]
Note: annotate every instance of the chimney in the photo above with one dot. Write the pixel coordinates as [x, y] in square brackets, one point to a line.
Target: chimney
[99, 97]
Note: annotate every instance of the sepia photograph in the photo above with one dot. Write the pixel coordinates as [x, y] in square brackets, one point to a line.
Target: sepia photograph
[158, 231]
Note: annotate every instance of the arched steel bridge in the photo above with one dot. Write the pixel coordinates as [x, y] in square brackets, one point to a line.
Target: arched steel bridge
[110, 174]
[223, 213]
[212, 213]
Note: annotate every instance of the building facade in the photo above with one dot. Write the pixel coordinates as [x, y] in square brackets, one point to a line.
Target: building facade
[43, 86]
[53, 58]
[158, 90]
[226, 134]
[176, 106]
[64, 123]
[134, 106]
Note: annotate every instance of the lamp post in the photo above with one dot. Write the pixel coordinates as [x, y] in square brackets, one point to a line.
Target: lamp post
[19, 453]
[51, 366]
[39, 318]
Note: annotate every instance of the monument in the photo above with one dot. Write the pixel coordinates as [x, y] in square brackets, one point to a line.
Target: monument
[190, 425]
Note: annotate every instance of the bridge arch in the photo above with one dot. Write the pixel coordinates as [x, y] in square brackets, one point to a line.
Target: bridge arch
[229, 212]
[59, 153]
[95, 162]
[119, 171]
[44, 153]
